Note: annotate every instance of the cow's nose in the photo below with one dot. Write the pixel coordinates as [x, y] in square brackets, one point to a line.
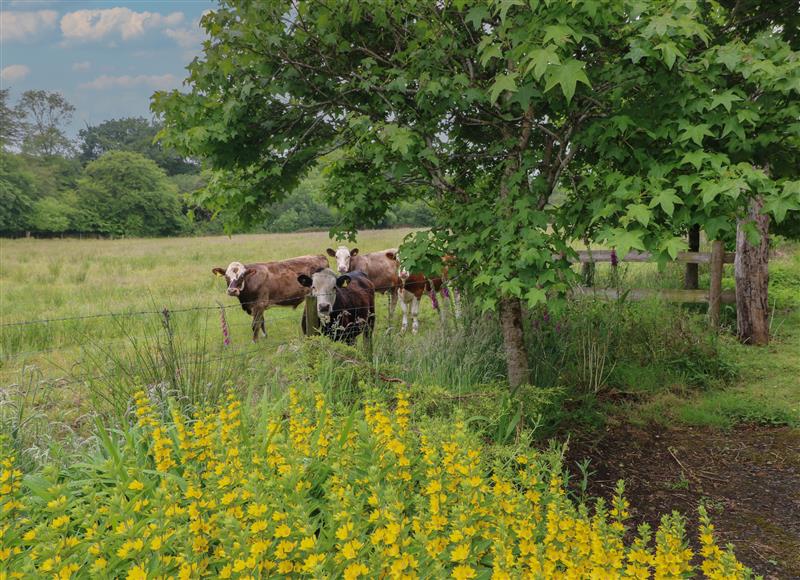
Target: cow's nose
[233, 291]
[324, 307]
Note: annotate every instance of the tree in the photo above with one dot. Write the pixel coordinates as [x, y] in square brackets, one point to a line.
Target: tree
[526, 126]
[10, 122]
[126, 194]
[16, 187]
[131, 134]
[45, 115]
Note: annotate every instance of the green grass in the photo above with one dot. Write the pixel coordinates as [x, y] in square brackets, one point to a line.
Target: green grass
[65, 372]
[60, 375]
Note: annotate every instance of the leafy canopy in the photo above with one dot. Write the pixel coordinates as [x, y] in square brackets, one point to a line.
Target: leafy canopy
[525, 125]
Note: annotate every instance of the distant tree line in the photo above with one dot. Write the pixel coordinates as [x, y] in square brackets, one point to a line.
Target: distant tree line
[117, 180]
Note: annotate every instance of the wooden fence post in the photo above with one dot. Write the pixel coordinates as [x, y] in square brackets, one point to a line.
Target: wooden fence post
[311, 316]
[715, 290]
[690, 277]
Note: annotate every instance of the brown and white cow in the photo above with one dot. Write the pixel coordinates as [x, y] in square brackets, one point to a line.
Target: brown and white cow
[263, 284]
[345, 303]
[380, 268]
[414, 285]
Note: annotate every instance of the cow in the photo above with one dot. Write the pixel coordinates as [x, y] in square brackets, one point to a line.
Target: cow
[263, 284]
[380, 268]
[345, 303]
[414, 285]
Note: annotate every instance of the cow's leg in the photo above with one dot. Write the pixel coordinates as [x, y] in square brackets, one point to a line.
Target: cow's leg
[392, 303]
[258, 321]
[415, 314]
[404, 309]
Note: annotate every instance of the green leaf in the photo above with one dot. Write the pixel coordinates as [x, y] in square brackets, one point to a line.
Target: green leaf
[695, 133]
[669, 52]
[567, 76]
[726, 99]
[490, 52]
[476, 15]
[667, 200]
[639, 212]
[540, 59]
[695, 158]
[557, 33]
[626, 240]
[674, 245]
[502, 83]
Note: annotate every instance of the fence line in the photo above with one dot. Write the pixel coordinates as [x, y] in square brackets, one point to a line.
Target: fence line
[285, 302]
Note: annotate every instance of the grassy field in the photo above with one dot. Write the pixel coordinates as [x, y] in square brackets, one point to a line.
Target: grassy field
[79, 352]
[74, 286]
[52, 279]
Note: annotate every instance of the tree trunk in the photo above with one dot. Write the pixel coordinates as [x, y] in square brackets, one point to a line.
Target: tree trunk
[751, 269]
[690, 279]
[514, 342]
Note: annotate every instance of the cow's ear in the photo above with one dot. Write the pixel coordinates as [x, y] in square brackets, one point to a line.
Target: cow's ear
[249, 272]
[331, 253]
[392, 256]
[304, 280]
[342, 281]
[218, 271]
[354, 252]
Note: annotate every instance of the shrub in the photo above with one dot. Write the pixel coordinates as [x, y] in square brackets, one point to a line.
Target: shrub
[231, 494]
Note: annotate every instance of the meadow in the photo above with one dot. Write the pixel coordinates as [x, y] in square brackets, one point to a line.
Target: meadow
[70, 371]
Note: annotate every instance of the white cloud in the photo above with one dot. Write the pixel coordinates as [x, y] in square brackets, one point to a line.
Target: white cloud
[81, 66]
[167, 81]
[24, 25]
[87, 25]
[14, 72]
[186, 37]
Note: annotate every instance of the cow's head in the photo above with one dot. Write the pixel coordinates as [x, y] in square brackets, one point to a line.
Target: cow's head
[236, 276]
[342, 255]
[323, 284]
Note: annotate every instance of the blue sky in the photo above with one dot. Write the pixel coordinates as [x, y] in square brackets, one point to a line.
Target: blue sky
[105, 57]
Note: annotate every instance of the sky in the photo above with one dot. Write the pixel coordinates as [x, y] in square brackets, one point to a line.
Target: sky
[105, 57]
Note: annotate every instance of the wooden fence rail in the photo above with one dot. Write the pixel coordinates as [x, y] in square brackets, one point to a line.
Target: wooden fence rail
[714, 296]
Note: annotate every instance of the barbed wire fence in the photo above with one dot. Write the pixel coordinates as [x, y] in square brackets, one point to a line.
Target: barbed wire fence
[160, 317]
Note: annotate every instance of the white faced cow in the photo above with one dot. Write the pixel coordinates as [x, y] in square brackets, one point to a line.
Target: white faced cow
[414, 285]
[261, 285]
[345, 303]
[380, 268]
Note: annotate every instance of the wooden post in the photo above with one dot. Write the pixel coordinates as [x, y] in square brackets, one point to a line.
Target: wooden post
[690, 278]
[715, 291]
[311, 316]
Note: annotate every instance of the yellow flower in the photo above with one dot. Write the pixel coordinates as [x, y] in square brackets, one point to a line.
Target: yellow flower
[137, 573]
[355, 570]
[283, 531]
[136, 485]
[460, 553]
[60, 522]
[285, 567]
[351, 548]
[464, 572]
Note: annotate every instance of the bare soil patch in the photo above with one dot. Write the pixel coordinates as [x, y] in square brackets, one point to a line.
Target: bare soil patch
[748, 477]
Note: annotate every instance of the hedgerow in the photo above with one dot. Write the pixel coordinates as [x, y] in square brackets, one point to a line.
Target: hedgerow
[232, 494]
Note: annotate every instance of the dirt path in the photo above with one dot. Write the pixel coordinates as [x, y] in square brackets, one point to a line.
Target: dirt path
[749, 478]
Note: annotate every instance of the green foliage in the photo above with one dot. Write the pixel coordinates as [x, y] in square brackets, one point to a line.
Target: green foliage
[16, 192]
[646, 118]
[126, 194]
[135, 134]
